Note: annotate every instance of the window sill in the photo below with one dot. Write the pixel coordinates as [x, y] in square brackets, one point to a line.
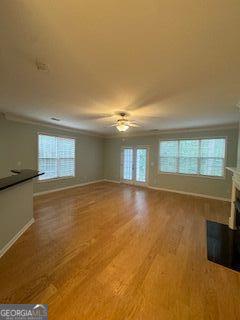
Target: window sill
[55, 179]
[192, 175]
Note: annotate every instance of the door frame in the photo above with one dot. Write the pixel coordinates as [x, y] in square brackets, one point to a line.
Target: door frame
[121, 166]
[133, 181]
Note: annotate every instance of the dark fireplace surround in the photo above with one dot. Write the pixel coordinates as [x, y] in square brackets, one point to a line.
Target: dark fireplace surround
[223, 241]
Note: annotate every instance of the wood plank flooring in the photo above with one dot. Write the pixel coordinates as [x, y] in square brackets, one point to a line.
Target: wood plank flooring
[109, 251]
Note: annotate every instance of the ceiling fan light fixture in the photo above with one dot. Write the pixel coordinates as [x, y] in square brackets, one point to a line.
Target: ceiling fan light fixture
[123, 124]
[122, 127]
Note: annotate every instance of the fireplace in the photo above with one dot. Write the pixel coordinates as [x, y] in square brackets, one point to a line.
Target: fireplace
[237, 213]
[235, 204]
[223, 240]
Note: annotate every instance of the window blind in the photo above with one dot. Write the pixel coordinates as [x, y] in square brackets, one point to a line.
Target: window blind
[128, 163]
[141, 158]
[194, 156]
[168, 156]
[56, 156]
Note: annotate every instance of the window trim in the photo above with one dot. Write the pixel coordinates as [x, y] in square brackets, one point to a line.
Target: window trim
[56, 136]
[223, 177]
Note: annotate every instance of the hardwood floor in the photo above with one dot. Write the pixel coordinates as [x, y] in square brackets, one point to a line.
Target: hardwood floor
[109, 251]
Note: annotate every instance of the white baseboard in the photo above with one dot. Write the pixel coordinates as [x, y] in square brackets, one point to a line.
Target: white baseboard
[113, 181]
[15, 238]
[68, 187]
[201, 195]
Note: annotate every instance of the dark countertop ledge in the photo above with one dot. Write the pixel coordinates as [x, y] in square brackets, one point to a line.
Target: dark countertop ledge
[19, 176]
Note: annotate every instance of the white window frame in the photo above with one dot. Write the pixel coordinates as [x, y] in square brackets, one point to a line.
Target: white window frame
[197, 175]
[56, 136]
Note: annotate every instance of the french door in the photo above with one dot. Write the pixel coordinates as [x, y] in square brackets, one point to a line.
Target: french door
[134, 165]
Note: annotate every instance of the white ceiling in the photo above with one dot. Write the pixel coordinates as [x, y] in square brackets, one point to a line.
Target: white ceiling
[171, 64]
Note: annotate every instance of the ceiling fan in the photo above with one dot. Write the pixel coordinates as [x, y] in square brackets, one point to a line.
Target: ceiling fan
[123, 123]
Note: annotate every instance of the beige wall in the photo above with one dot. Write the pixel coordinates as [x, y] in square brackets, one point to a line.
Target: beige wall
[238, 155]
[98, 158]
[201, 185]
[18, 143]
[16, 211]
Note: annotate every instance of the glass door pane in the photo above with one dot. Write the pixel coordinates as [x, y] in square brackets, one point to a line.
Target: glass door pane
[127, 164]
[141, 165]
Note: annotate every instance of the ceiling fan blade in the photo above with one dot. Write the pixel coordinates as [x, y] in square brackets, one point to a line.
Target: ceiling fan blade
[95, 116]
[134, 125]
[150, 117]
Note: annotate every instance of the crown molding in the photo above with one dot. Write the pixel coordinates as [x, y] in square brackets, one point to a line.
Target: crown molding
[228, 126]
[15, 118]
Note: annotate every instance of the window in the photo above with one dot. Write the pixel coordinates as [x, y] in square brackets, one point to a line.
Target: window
[204, 157]
[141, 158]
[128, 163]
[56, 157]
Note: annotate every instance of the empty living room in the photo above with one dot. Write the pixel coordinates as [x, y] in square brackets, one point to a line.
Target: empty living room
[120, 160]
